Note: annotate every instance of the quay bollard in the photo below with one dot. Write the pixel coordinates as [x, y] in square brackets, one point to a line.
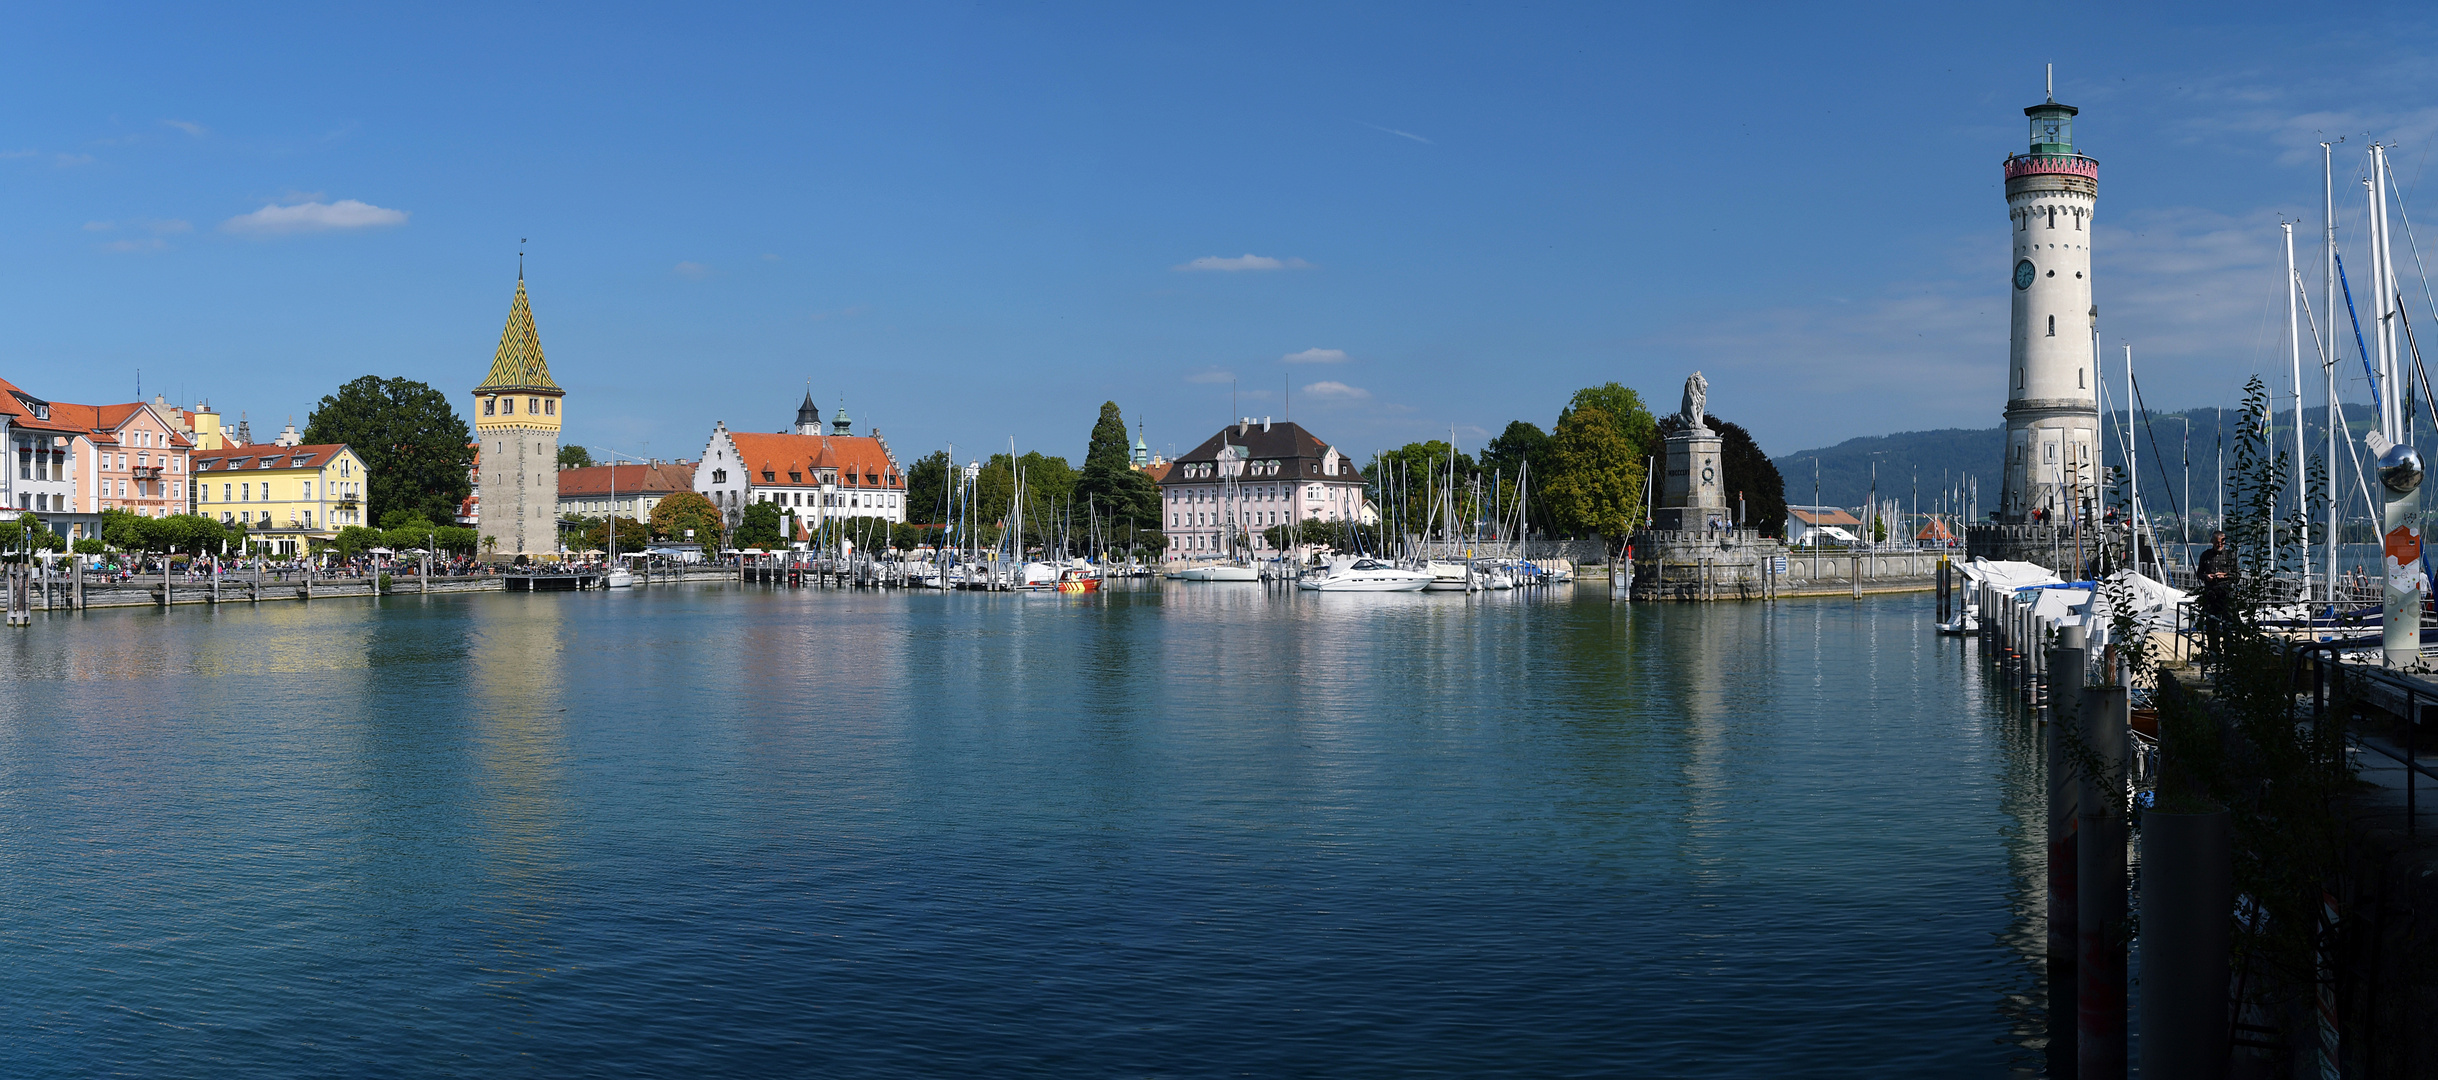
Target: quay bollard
[76, 584]
[2099, 902]
[2188, 887]
[2064, 713]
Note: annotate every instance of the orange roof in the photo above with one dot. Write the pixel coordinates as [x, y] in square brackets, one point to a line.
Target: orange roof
[316, 455]
[657, 478]
[99, 423]
[860, 460]
[1936, 530]
[1824, 516]
[1159, 473]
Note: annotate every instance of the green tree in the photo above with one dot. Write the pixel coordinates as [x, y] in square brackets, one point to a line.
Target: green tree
[31, 531]
[1625, 409]
[1338, 535]
[1048, 482]
[91, 545]
[125, 531]
[672, 516]
[1595, 482]
[632, 535]
[1108, 446]
[927, 488]
[1412, 478]
[415, 447]
[355, 540]
[1109, 488]
[760, 529]
[575, 457]
[1522, 444]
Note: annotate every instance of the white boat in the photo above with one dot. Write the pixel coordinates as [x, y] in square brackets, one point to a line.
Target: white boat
[1218, 572]
[1447, 576]
[619, 578]
[1365, 575]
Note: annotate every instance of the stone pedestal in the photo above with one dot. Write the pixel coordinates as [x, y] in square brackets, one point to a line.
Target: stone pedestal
[1692, 497]
[1724, 564]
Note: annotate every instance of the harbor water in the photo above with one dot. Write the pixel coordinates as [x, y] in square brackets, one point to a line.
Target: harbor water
[1176, 829]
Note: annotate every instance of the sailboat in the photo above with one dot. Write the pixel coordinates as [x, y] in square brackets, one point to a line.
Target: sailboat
[1237, 567]
[619, 577]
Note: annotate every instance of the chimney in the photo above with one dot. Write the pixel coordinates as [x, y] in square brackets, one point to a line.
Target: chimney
[1243, 424]
[1265, 423]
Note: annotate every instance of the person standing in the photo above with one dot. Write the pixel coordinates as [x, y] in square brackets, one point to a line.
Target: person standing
[2219, 575]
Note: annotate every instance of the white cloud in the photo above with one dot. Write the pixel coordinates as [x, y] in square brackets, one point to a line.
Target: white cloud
[1400, 134]
[170, 226]
[1247, 261]
[343, 215]
[196, 130]
[1211, 377]
[691, 271]
[1336, 391]
[99, 226]
[69, 161]
[153, 243]
[1316, 356]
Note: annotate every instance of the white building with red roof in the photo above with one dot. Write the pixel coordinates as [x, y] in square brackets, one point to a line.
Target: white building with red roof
[70, 462]
[812, 475]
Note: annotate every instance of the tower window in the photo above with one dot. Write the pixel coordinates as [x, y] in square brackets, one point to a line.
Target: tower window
[2078, 379]
[2052, 326]
[2052, 217]
[490, 406]
[550, 407]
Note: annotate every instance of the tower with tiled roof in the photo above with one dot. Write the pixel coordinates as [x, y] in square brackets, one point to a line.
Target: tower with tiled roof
[516, 419]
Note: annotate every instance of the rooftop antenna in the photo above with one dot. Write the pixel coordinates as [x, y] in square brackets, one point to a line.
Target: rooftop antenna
[520, 257]
[2052, 82]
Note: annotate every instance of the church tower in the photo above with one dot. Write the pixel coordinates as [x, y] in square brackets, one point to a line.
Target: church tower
[808, 415]
[2052, 413]
[517, 417]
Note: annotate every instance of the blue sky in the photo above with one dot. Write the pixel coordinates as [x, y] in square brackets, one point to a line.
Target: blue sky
[978, 221]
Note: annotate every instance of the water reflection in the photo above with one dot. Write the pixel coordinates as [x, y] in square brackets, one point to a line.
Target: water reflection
[1170, 828]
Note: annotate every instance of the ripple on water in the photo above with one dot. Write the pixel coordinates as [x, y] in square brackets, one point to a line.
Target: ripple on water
[1169, 830]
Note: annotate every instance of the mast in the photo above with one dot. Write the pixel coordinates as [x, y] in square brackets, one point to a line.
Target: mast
[2294, 355]
[2328, 355]
[2133, 473]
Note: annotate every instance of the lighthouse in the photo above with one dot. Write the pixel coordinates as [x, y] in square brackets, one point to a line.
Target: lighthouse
[2052, 412]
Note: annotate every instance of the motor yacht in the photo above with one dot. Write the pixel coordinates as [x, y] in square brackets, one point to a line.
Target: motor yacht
[1365, 575]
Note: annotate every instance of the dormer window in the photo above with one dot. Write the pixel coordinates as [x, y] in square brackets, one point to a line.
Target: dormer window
[769, 476]
[795, 478]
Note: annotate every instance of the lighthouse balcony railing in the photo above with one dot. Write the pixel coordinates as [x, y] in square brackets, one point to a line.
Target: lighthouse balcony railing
[2039, 164]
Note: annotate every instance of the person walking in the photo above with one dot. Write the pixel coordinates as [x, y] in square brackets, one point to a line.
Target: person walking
[2219, 575]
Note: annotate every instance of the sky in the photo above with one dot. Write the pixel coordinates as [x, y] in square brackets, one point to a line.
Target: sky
[977, 222]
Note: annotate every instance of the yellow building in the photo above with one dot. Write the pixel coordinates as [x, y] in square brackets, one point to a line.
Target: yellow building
[285, 495]
[516, 420]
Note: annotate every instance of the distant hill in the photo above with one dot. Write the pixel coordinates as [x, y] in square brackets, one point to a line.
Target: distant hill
[1959, 453]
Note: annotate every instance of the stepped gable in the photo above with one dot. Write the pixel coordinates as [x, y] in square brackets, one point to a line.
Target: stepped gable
[518, 366]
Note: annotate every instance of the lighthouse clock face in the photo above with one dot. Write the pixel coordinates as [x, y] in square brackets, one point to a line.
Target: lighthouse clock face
[2023, 274]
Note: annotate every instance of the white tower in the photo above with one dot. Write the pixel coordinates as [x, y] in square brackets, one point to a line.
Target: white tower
[2052, 414]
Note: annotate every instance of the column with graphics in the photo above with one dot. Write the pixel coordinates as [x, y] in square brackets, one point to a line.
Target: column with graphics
[2052, 413]
[516, 419]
